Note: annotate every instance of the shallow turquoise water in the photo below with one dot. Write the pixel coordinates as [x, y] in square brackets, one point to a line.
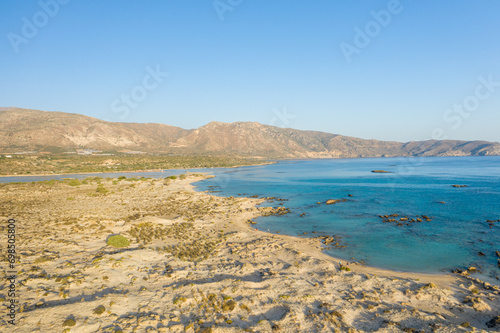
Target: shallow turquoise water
[452, 239]
[457, 232]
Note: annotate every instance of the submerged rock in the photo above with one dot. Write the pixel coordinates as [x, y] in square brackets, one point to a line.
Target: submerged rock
[492, 222]
[334, 201]
[404, 220]
[332, 241]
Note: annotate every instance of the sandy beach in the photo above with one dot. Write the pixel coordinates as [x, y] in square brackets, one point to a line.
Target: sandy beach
[196, 264]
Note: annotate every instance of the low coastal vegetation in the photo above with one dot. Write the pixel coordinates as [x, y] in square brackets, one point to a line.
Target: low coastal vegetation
[115, 162]
[158, 256]
[118, 241]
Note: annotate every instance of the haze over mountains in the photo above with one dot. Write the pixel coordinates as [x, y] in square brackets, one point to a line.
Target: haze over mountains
[39, 130]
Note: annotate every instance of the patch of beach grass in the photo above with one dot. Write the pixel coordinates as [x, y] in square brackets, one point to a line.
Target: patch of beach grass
[118, 241]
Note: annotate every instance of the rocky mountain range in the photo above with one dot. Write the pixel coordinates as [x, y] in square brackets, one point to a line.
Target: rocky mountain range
[22, 129]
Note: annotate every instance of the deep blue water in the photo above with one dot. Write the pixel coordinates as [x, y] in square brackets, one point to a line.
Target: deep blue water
[457, 233]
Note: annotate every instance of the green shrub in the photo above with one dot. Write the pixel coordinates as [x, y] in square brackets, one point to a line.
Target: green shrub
[229, 305]
[101, 189]
[69, 322]
[118, 241]
[42, 259]
[99, 310]
[133, 179]
[183, 176]
[180, 299]
[172, 177]
[74, 182]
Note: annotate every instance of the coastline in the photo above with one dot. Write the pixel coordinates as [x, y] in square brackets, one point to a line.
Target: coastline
[133, 171]
[211, 271]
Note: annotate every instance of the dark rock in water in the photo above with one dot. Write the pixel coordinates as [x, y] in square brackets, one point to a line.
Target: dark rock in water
[332, 241]
[404, 220]
[381, 171]
[441, 202]
[481, 254]
[494, 322]
[350, 195]
[459, 185]
[497, 253]
[492, 222]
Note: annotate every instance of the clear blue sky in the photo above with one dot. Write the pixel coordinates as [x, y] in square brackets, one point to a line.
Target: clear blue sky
[277, 62]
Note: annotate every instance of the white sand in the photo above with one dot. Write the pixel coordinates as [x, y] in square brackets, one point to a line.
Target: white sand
[251, 282]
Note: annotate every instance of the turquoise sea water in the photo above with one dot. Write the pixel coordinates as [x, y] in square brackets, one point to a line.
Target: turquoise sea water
[457, 233]
[417, 186]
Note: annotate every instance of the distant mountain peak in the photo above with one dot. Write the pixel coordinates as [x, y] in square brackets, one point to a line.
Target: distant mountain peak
[32, 129]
